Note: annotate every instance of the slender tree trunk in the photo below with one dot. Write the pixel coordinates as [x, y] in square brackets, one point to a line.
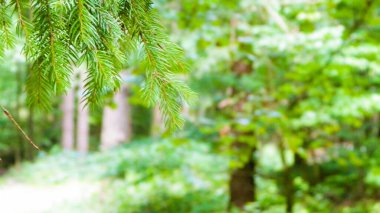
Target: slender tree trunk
[20, 144]
[242, 183]
[83, 128]
[157, 126]
[29, 149]
[287, 179]
[83, 118]
[67, 120]
[116, 126]
[289, 194]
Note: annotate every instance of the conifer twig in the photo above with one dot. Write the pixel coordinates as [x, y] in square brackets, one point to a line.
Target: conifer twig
[10, 117]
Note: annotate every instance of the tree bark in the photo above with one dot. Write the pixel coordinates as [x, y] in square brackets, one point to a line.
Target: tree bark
[20, 145]
[242, 183]
[83, 118]
[287, 179]
[116, 125]
[30, 151]
[67, 120]
[157, 126]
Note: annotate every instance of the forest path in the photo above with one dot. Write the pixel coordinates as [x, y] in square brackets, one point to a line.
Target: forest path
[70, 197]
[63, 182]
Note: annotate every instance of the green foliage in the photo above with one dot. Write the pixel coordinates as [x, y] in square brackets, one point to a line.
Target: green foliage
[49, 55]
[177, 180]
[297, 82]
[302, 76]
[162, 58]
[144, 176]
[62, 34]
[7, 35]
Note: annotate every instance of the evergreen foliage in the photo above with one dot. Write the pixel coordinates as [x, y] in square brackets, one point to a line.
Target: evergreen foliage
[60, 35]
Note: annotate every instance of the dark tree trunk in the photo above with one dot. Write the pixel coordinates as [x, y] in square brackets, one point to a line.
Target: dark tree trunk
[287, 180]
[289, 190]
[242, 183]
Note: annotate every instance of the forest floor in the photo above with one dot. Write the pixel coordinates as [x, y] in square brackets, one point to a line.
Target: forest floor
[61, 183]
[138, 177]
[21, 197]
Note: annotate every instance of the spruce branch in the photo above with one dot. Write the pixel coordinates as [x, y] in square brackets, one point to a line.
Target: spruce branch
[98, 34]
[163, 60]
[23, 26]
[95, 33]
[6, 34]
[50, 55]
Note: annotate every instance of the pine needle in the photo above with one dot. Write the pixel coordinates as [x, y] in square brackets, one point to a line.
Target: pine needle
[10, 117]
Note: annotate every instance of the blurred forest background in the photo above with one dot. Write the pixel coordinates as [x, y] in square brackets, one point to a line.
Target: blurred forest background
[287, 119]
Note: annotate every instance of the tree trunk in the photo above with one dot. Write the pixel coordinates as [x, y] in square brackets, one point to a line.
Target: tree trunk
[83, 118]
[242, 183]
[157, 126]
[67, 120]
[20, 145]
[287, 179]
[116, 125]
[289, 190]
[29, 149]
[82, 128]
